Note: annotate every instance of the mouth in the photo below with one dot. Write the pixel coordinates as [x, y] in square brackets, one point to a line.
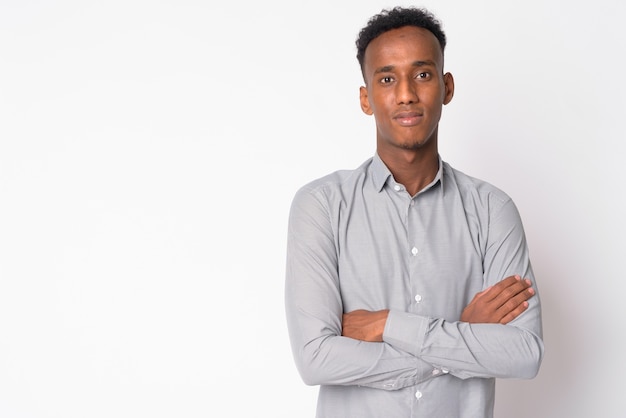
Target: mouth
[408, 118]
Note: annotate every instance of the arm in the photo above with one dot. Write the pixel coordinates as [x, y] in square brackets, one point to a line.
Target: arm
[314, 311]
[511, 350]
[501, 303]
[498, 304]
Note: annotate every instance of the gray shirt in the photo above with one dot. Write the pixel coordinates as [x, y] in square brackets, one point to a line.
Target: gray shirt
[358, 240]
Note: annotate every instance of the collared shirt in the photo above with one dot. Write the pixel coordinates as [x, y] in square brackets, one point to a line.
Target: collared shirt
[358, 240]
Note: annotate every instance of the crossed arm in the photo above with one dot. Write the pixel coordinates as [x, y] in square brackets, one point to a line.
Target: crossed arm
[498, 304]
[491, 337]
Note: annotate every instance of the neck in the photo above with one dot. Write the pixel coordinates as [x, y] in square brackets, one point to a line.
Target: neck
[413, 169]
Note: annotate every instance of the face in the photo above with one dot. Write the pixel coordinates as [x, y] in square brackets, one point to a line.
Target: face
[405, 88]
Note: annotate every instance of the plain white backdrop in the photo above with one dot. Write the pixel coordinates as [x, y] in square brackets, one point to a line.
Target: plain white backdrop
[149, 151]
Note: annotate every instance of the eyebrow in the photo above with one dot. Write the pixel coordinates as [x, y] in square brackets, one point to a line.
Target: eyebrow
[419, 63]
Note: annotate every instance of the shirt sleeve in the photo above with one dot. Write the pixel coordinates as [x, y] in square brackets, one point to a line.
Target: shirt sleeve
[465, 350]
[314, 311]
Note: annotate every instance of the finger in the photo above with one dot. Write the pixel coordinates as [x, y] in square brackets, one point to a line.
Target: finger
[494, 291]
[513, 303]
[516, 298]
[510, 292]
[504, 283]
[482, 294]
[514, 313]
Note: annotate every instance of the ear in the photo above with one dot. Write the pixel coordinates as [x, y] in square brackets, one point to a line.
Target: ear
[365, 103]
[448, 81]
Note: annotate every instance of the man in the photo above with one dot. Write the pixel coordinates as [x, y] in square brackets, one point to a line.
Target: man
[409, 287]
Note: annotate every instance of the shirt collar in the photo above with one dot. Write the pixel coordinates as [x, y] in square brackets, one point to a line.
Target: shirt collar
[381, 174]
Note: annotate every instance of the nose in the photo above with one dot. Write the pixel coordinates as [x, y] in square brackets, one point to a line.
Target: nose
[406, 91]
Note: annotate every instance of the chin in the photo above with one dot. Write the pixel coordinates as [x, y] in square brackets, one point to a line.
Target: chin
[415, 145]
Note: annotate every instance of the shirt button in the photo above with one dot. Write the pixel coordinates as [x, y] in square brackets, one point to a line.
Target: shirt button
[436, 372]
[418, 298]
[445, 370]
[397, 188]
[414, 251]
[418, 394]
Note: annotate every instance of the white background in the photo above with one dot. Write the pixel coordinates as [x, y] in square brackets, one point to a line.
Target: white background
[149, 151]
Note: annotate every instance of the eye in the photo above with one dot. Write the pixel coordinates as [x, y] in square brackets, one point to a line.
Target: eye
[423, 76]
[386, 80]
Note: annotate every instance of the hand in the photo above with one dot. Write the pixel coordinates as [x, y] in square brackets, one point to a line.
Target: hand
[500, 303]
[364, 325]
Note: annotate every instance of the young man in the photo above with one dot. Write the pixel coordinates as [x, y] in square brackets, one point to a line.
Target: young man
[409, 287]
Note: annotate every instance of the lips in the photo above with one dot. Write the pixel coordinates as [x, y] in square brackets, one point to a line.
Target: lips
[408, 118]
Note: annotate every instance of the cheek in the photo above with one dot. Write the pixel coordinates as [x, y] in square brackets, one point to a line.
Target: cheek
[383, 106]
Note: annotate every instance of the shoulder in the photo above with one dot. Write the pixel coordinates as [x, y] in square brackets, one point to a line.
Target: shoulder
[334, 183]
[320, 200]
[477, 194]
[470, 185]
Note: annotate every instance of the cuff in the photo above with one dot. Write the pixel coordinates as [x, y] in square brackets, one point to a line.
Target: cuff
[405, 331]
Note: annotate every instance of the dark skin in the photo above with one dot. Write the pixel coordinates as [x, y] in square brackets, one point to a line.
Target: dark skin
[499, 304]
[405, 90]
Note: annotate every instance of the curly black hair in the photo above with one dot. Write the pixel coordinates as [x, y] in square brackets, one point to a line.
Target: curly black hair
[396, 18]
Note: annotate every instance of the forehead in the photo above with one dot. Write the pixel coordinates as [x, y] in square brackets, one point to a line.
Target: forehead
[405, 44]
